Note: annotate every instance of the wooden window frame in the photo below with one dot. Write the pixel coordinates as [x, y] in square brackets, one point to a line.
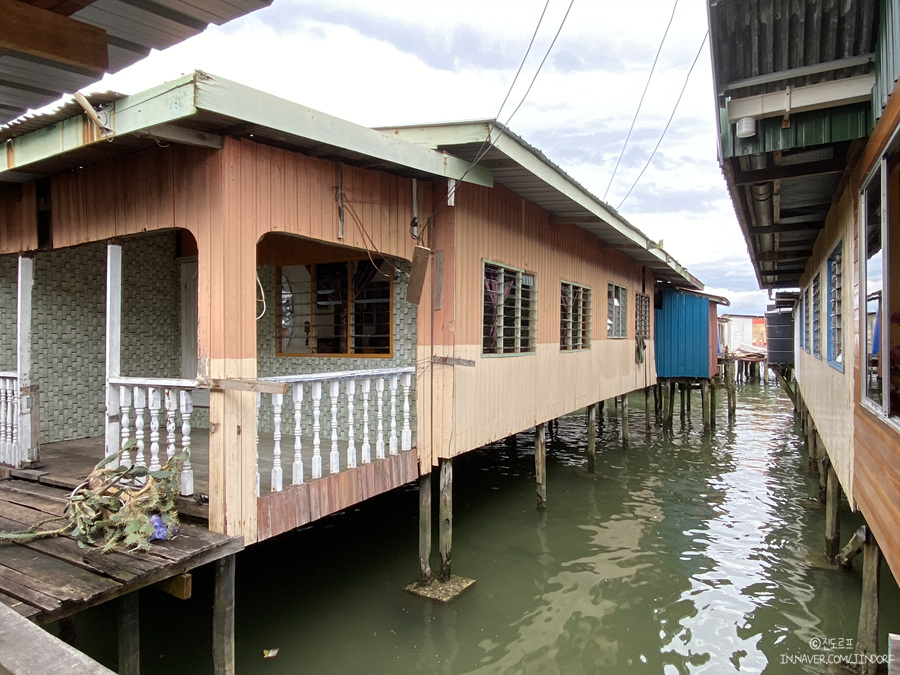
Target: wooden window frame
[575, 316]
[816, 291]
[350, 309]
[806, 336]
[616, 317]
[642, 315]
[518, 316]
[835, 307]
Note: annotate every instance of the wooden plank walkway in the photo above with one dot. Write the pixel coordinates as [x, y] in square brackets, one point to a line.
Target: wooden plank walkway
[26, 649]
[50, 579]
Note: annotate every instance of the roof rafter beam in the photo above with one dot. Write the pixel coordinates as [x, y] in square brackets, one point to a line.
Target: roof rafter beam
[802, 170]
[803, 71]
[765, 256]
[35, 32]
[780, 227]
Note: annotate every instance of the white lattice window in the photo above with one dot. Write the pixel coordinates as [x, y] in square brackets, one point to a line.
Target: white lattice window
[616, 311]
[574, 316]
[509, 311]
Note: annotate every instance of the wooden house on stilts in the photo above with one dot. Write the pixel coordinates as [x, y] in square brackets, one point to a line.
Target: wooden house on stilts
[318, 312]
[809, 123]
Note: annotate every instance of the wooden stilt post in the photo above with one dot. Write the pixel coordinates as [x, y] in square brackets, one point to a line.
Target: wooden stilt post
[657, 397]
[446, 518]
[681, 388]
[425, 527]
[670, 413]
[712, 403]
[867, 637]
[591, 437]
[647, 407]
[822, 464]
[540, 464]
[832, 515]
[688, 394]
[704, 403]
[129, 636]
[810, 440]
[625, 436]
[223, 616]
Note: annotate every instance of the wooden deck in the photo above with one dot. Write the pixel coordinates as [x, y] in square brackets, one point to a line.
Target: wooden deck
[51, 579]
[66, 464]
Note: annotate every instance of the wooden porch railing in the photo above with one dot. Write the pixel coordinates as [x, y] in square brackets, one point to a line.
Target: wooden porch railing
[9, 419]
[158, 399]
[343, 404]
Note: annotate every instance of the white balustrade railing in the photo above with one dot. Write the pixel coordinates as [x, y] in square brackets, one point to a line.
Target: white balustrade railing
[344, 425]
[9, 419]
[145, 399]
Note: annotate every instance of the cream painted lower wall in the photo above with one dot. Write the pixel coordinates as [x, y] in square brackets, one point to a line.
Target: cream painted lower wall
[828, 394]
[503, 395]
[826, 391]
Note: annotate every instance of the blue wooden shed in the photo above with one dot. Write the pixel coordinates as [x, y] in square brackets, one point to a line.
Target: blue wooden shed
[686, 333]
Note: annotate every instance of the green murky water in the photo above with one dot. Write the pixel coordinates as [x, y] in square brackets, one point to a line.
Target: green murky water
[688, 553]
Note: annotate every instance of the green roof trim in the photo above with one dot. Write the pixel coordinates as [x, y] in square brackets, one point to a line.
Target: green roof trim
[808, 129]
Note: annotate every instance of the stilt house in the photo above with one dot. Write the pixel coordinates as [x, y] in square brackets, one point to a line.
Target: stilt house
[809, 122]
[221, 270]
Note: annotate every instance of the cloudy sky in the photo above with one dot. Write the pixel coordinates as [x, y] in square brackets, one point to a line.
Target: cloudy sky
[395, 62]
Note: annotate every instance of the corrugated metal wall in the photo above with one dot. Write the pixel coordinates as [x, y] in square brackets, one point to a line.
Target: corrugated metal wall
[887, 55]
[682, 335]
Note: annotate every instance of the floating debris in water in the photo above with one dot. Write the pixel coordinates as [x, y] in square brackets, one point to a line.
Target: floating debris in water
[270, 653]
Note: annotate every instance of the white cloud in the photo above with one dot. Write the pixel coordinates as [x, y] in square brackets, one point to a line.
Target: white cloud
[405, 62]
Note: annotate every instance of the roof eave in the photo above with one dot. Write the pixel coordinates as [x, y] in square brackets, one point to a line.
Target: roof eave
[201, 92]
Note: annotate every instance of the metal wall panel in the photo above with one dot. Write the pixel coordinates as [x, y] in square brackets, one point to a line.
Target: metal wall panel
[682, 335]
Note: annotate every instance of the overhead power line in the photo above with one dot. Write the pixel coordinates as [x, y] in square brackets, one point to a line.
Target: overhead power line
[650, 159]
[641, 102]
[488, 142]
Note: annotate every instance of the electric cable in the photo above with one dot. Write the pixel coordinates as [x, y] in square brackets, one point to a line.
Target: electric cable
[650, 159]
[641, 102]
[482, 151]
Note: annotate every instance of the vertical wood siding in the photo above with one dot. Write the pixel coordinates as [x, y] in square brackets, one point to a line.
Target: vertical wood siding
[508, 394]
[18, 222]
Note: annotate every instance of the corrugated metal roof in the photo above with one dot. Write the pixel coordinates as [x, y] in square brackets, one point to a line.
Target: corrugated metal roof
[529, 173]
[133, 28]
[784, 178]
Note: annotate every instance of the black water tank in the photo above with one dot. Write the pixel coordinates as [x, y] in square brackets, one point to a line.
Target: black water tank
[780, 337]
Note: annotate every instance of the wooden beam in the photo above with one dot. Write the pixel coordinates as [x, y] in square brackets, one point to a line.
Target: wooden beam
[853, 547]
[867, 639]
[446, 520]
[425, 528]
[33, 31]
[782, 226]
[258, 386]
[591, 437]
[765, 256]
[129, 635]
[540, 464]
[27, 648]
[832, 514]
[223, 616]
[172, 133]
[180, 586]
[803, 170]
